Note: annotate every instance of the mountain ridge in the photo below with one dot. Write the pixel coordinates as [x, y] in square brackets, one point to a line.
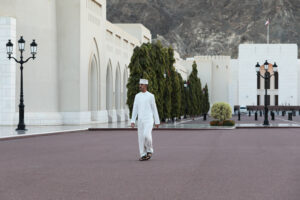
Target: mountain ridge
[211, 27]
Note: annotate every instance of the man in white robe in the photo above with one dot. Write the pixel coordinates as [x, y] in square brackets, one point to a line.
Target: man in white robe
[144, 108]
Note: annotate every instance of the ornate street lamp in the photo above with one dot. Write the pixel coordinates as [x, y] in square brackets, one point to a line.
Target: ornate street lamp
[267, 76]
[33, 48]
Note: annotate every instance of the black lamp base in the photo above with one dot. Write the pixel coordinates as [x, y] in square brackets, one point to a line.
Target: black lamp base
[21, 128]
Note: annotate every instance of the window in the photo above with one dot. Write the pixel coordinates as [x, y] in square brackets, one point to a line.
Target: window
[258, 100]
[276, 100]
[276, 80]
[267, 83]
[258, 80]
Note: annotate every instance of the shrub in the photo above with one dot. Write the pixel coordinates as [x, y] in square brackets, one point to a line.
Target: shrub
[214, 123]
[228, 123]
[222, 123]
[221, 111]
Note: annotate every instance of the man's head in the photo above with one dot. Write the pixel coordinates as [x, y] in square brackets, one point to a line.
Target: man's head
[143, 85]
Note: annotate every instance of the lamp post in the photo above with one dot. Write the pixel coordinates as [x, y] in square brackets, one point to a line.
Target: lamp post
[186, 96]
[204, 104]
[267, 76]
[33, 48]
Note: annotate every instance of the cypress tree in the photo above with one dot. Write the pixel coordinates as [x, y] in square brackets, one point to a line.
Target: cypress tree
[158, 64]
[186, 98]
[150, 61]
[206, 104]
[194, 92]
[182, 91]
[139, 63]
[199, 97]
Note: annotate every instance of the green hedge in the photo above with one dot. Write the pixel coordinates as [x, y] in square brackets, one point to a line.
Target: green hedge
[222, 123]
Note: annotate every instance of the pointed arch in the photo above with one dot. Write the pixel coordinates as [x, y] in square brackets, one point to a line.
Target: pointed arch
[118, 89]
[94, 80]
[93, 87]
[109, 86]
[125, 80]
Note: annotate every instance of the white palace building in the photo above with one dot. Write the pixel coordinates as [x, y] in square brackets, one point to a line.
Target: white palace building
[80, 72]
[235, 80]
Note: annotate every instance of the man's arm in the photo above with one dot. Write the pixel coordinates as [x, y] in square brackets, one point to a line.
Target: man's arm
[155, 112]
[134, 112]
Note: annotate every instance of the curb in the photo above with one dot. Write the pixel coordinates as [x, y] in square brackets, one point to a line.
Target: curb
[159, 129]
[263, 127]
[41, 134]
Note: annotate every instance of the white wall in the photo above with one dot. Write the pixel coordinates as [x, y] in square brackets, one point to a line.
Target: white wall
[285, 55]
[179, 66]
[139, 31]
[119, 46]
[7, 71]
[40, 75]
[42, 72]
[108, 45]
[213, 71]
[220, 80]
[234, 83]
[68, 30]
[298, 69]
[247, 76]
[72, 36]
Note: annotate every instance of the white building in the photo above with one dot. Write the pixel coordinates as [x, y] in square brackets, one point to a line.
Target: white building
[80, 73]
[213, 71]
[235, 80]
[287, 90]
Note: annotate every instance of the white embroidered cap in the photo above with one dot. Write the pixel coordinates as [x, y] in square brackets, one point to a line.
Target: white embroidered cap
[144, 81]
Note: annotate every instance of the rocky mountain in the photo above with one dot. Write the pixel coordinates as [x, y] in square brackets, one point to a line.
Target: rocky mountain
[211, 27]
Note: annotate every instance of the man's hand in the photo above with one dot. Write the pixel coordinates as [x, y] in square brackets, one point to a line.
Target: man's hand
[156, 125]
[132, 125]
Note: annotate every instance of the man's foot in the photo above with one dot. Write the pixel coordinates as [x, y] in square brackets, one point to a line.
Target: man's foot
[144, 158]
[149, 155]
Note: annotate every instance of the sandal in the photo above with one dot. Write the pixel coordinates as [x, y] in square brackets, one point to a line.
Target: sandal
[144, 158]
[149, 155]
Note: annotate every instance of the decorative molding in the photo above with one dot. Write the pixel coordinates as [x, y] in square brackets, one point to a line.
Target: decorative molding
[95, 12]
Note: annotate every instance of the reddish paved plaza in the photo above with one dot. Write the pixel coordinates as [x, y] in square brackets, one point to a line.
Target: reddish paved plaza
[240, 164]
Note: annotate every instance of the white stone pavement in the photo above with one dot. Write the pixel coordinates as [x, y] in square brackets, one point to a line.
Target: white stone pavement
[10, 132]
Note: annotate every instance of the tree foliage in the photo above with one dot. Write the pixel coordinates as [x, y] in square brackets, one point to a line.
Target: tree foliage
[140, 61]
[194, 93]
[221, 111]
[156, 63]
[206, 104]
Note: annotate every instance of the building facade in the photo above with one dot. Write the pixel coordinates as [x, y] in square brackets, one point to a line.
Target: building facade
[283, 88]
[81, 70]
[213, 71]
[235, 80]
